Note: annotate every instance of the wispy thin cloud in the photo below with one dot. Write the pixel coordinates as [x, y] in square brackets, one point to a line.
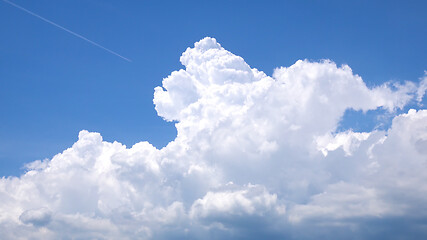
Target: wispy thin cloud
[67, 30]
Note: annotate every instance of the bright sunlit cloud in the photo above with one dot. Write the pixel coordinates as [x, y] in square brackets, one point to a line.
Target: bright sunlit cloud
[256, 157]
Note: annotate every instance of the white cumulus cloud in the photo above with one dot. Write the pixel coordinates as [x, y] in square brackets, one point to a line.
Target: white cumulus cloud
[256, 157]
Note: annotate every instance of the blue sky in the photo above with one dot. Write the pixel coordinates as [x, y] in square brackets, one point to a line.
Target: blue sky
[320, 156]
[54, 84]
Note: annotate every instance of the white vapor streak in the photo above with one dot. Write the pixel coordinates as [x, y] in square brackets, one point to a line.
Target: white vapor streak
[67, 30]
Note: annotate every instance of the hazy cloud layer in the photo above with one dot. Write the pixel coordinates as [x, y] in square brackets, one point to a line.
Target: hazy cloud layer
[256, 157]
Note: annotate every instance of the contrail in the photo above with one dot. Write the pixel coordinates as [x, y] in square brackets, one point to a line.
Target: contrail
[67, 30]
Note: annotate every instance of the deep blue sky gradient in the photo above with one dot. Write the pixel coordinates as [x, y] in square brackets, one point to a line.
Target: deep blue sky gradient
[52, 84]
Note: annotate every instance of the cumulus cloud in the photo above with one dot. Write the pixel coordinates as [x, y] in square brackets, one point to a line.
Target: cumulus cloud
[422, 88]
[242, 202]
[255, 157]
[349, 141]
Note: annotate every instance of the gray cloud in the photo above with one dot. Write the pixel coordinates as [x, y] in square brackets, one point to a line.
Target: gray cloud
[37, 217]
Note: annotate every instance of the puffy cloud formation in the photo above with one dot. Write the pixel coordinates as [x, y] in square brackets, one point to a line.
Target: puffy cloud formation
[256, 157]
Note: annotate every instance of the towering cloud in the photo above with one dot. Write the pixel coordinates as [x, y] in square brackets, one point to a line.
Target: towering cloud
[256, 157]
